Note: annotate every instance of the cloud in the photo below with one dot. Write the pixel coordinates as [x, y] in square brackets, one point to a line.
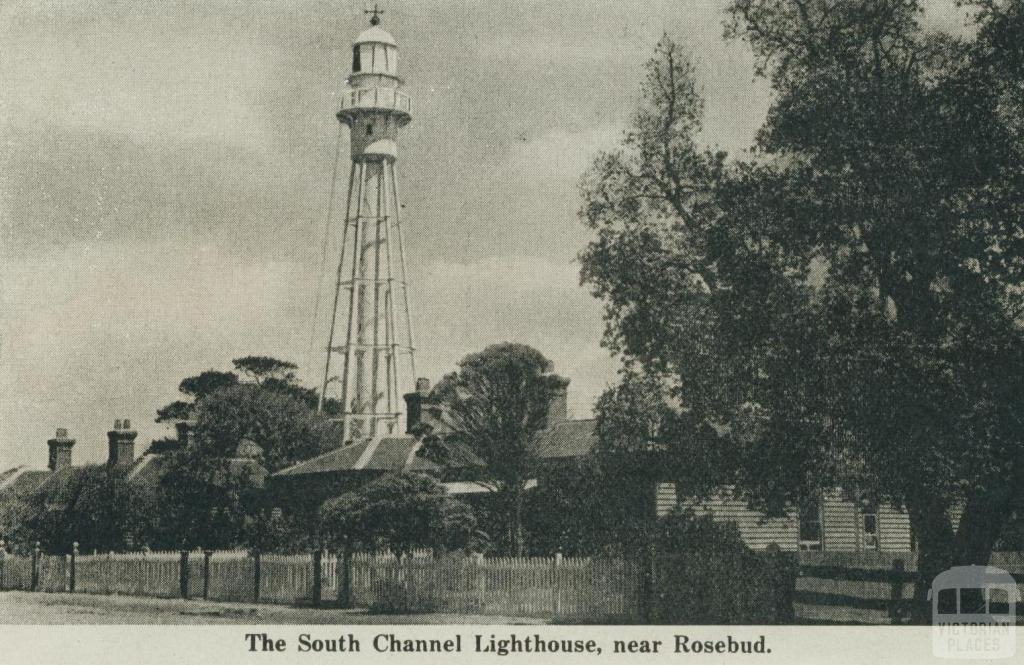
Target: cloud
[561, 155]
[97, 331]
[166, 168]
[94, 332]
[463, 307]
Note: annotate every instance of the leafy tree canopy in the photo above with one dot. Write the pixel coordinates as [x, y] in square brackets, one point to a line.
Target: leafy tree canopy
[843, 306]
[285, 428]
[491, 409]
[399, 512]
[207, 383]
[261, 368]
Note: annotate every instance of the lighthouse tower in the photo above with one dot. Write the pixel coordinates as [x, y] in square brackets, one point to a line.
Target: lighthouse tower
[370, 349]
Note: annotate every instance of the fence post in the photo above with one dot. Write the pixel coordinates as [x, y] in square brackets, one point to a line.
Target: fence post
[35, 567]
[183, 573]
[648, 575]
[108, 573]
[206, 573]
[71, 567]
[317, 576]
[256, 575]
[896, 609]
[479, 578]
[557, 591]
[3, 554]
[345, 579]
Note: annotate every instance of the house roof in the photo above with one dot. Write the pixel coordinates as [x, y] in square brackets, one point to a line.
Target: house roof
[567, 439]
[150, 468]
[23, 481]
[4, 475]
[146, 470]
[392, 453]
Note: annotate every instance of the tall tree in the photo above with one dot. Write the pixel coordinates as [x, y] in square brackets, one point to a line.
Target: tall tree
[846, 302]
[491, 410]
[202, 501]
[287, 429]
[263, 371]
[195, 388]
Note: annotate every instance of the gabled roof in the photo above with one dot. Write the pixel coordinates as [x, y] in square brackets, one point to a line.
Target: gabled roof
[567, 439]
[23, 481]
[393, 453]
[150, 468]
[147, 470]
[4, 475]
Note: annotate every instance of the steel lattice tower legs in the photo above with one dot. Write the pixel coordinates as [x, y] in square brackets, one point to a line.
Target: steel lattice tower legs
[378, 353]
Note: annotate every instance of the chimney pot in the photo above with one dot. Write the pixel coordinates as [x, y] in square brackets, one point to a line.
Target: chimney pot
[121, 444]
[60, 450]
[414, 404]
[558, 401]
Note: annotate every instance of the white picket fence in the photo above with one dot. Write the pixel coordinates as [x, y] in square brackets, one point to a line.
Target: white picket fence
[536, 586]
[135, 574]
[16, 572]
[540, 586]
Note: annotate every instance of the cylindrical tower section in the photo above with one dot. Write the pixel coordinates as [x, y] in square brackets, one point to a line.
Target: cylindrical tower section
[373, 106]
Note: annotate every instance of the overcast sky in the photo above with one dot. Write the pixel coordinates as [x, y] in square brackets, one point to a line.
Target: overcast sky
[166, 168]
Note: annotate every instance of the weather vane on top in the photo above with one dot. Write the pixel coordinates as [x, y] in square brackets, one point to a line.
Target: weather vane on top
[376, 11]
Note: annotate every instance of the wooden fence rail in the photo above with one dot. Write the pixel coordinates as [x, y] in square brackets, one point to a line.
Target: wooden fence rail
[542, 587]
[833, 587]
[874, 588]
[548, 587]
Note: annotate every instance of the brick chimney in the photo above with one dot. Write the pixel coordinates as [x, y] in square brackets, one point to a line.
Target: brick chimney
[558, 401]
[414, 404]
[60, 450]
[121, 444]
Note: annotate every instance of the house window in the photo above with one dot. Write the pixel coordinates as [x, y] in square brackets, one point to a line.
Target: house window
[356, 65]
[810, 525]
[369, 129]
[869, 524]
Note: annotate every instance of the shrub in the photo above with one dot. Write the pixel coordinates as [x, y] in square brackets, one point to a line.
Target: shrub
[706, 574]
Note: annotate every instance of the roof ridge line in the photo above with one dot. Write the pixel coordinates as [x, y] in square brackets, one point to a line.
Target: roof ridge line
[18, 472]
[371, 448]
[311, 459]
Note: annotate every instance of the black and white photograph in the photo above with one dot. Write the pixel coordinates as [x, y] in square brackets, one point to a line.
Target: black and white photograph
[704, 315]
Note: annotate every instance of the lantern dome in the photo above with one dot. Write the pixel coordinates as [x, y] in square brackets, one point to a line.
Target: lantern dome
[375, 35]
[375, 52]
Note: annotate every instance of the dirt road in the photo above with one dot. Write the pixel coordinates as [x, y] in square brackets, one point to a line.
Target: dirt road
[17, 607]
